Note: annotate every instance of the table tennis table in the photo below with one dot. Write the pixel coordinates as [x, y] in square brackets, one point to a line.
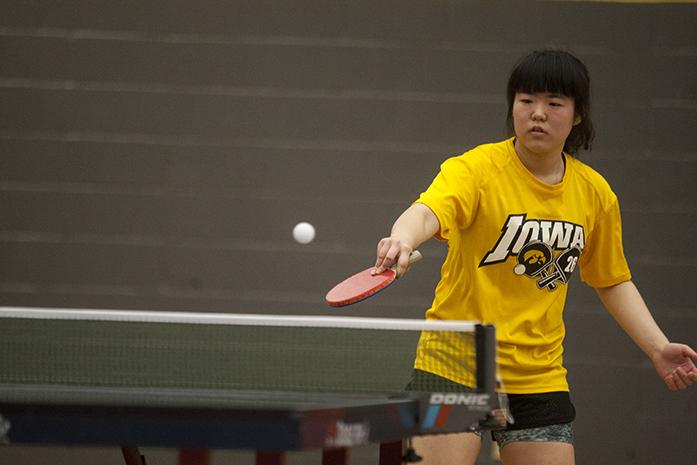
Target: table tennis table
[269, 421]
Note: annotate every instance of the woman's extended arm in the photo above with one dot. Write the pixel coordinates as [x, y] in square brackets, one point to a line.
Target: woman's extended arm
[673, 362]
[416, 225]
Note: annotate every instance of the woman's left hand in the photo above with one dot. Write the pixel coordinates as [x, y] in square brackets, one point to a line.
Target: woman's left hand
[675, 365]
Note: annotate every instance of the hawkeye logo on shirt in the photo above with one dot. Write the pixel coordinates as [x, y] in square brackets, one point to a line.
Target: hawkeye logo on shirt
[533, 242]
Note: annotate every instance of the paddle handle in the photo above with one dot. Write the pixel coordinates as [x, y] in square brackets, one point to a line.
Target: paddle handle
[414, 257]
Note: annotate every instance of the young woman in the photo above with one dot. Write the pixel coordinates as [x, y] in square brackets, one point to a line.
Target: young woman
[519, 216]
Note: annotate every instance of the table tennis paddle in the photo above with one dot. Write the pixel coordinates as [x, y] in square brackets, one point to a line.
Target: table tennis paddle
[362, 285]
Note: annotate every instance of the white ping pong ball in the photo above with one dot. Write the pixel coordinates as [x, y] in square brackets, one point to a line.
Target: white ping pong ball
[303, 233]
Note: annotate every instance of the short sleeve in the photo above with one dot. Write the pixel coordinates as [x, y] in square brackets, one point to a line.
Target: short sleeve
[452, 196]
[603, 262]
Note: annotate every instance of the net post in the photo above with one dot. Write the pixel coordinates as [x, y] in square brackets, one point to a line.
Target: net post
[485, 342]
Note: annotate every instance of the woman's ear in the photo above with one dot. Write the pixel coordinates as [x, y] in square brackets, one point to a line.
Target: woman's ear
[577, 119]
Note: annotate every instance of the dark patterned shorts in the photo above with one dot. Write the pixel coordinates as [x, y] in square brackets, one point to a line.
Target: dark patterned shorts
[551, 433]
[544, 417]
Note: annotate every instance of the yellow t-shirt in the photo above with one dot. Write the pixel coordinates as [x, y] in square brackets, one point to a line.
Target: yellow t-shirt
[513, 243]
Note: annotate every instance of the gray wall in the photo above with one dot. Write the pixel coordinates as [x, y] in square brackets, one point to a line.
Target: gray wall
[155, 155]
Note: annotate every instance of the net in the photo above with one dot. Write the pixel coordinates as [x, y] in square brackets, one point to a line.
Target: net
[215, 351]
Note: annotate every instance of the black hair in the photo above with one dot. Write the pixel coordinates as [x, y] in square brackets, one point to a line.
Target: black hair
[559, 72]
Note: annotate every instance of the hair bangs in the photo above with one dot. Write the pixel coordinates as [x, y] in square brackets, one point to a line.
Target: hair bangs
[548, 72]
